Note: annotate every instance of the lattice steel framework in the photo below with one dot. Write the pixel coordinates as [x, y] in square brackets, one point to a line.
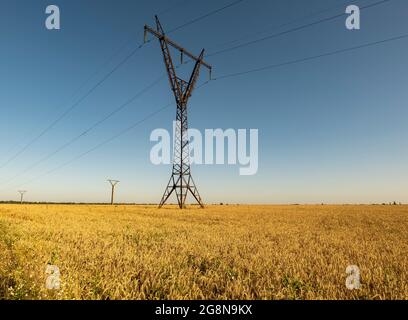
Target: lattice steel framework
[181, 182]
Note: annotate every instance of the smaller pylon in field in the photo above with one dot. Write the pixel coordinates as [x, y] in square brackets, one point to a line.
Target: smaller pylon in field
[113, 184]
[21, 192]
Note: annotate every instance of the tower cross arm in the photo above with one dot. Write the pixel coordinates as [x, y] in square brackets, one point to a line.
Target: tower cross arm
[161, 36]
[113, 182]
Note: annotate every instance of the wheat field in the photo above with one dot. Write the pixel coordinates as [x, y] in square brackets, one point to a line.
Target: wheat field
[220, 252]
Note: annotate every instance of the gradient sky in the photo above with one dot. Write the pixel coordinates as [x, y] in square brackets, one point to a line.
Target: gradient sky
[332, 130]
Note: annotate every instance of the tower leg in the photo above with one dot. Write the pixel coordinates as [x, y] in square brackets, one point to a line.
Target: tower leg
[181, 188]
[181, 182]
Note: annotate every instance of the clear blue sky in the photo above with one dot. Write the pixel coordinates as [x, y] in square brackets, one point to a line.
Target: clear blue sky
[331, 130]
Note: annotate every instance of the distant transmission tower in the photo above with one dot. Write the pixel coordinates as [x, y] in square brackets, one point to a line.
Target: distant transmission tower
[113, 184]
[181, 180]
[21, 192]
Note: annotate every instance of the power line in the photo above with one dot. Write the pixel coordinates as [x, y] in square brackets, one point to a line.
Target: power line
[70, 109]
[85, 132]
[87, 94]
[315, 13]
[396, 38]
[140, 33]
[105, 142]
[196, 19]
[290, 30]
[312, 57]
[205, 16]
[404, 36]
[31, 142]
[121, 133]
[179, 4]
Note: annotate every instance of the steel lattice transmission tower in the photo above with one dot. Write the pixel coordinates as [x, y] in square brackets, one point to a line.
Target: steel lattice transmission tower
[181, 182]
